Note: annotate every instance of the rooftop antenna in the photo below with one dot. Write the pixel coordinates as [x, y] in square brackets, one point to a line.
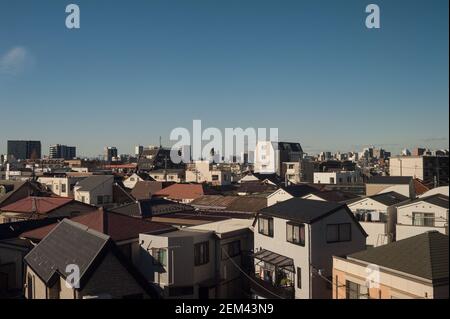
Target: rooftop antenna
[160, 143]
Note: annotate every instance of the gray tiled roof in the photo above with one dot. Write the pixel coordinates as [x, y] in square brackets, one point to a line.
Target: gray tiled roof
[302, 210]
[436, 199]
[92, 182]
[424, 255]
[68, 243]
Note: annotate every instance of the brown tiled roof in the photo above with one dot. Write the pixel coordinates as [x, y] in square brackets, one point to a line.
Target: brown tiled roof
[119, 227]
[420, 187]
[181, 191]
[37, 205]
[248, 204]
[145, 189]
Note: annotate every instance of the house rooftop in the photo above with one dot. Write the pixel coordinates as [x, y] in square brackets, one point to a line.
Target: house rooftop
[181, 191]
[36, 205]
[225, 226]
[94, 181]
[424, 255]
[302, 210]
[119, 227]
[436, 199]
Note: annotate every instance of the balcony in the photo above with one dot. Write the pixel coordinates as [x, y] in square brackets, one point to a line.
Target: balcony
[273, 276]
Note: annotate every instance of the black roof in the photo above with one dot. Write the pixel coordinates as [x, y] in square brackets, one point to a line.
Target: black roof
[302, 210]
[289, 146]
[394, 180]
[389, 198]
[424, 255]
[62, 246]
[151, 207]
[14, 229]
[301, 190]
[73, 243]
[436, 199]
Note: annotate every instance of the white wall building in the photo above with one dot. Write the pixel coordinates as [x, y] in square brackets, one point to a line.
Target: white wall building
[422, 215]
[95, 190]
[337, 178]
[294, 243]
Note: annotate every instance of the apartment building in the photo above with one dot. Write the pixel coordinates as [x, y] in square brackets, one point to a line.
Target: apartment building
[204, 172]
[61, 186]
[269, 156]
[337, 178]
[430, 169]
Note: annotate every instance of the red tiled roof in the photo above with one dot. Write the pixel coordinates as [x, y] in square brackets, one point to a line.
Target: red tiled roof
[181, 191]
[119, 227]
[37, 205]
[420, 187]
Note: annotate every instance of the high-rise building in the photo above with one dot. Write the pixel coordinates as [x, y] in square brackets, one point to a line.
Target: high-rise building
[62, 151]
[110, 153]
[21, 150]
[138, 150]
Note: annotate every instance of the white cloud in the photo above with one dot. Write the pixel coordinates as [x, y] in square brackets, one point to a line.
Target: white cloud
[14, 61]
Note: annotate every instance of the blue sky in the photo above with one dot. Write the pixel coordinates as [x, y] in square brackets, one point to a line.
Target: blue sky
[137, 69]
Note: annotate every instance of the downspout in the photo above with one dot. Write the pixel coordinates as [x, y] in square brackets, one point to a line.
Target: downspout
[309, 261]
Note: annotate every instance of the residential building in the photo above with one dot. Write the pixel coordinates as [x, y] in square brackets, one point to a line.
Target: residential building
[330, 196]
[294, 242]
[95, 190]
[104, 272]
[22, 150]
[339, 178]
[60, 186]
[146, 189]
[205, 172]
[168, 175]
[42, 207]
[400, 184]
[62, 151]
[421, 215]
[430, 169]
[376, 217]
[131, 181]
[12, 191]
[297, 172]
[269, 156]
[202, 261]
[412, 268]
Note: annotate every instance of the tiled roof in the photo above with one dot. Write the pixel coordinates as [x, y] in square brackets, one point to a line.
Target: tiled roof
[302, 210]
[145, 189]
[181, 191]
[92, 182]
[37, 205]
[335, 196]
[151, 207]
[436, 199]
[424, 255]
[118, 226]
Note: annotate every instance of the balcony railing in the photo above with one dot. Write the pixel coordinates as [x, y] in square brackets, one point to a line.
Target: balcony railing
[268, 290]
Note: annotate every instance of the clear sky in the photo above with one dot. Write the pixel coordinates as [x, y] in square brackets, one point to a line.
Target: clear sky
[139, 68]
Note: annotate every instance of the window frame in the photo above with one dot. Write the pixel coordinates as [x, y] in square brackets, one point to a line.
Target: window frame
[200, 258]
[269, 226]
[300, 226]
[339, 240]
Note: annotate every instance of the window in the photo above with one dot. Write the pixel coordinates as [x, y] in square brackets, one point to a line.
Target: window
[355, 291]
[331, 180]
[132, 179]
[83, 199]
[100, 199]
[159, 256]
[339, 233]
[231, 249]
[215, 177]
[291, 166]
[295, 233]
[299, 278]
[423, 219]
[201, 253]
[63, 188]
[265, 226]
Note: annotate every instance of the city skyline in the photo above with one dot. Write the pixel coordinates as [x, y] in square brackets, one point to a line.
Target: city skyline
[133, 72]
